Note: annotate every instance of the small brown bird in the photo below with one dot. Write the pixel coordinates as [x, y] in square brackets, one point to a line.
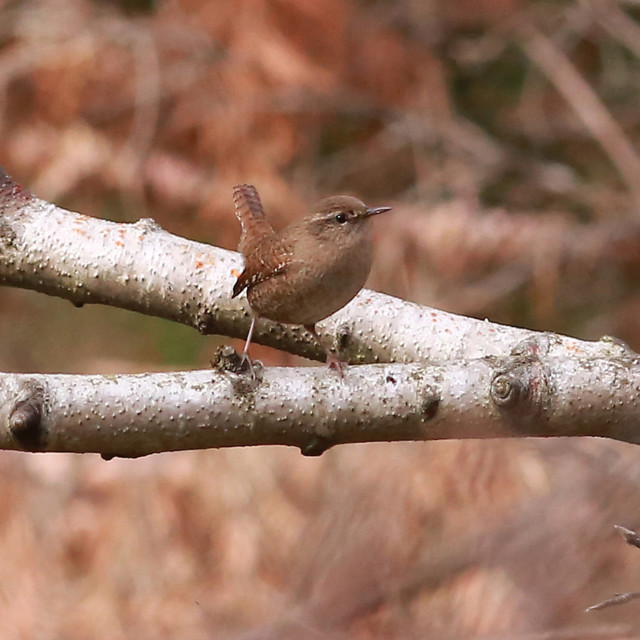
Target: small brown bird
[310, 269]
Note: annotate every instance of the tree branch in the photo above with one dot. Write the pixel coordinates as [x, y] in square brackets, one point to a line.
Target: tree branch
[143, 268]
[469, 378]
[525, 394]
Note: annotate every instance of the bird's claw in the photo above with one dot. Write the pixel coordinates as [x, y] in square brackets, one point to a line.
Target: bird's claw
[333, 362]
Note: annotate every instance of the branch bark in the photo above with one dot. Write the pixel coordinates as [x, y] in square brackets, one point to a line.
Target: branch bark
[445, 376]
[143, 268]
[525, 394]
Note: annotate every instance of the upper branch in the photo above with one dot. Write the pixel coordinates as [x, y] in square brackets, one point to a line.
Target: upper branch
[144, 268]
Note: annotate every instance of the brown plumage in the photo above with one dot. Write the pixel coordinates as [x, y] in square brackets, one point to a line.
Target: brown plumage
[312, 268]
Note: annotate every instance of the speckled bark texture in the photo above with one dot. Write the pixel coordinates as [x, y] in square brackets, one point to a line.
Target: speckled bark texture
[444, 376]
[144, 268]
[520, 395]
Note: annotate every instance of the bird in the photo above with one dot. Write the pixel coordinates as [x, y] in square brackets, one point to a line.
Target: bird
[310, 269]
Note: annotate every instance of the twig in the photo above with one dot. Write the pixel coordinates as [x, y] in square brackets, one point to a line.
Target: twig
[585, 102]
[632, 538]
[620, 598]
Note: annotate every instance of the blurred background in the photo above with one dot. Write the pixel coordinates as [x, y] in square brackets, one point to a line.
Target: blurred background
[505, 134]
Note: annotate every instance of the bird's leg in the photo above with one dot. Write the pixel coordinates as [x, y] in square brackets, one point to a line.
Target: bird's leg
[245, 352]
[247, 342]
[333, 362]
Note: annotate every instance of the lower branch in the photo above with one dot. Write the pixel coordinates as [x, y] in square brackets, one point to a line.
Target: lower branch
[313, 409]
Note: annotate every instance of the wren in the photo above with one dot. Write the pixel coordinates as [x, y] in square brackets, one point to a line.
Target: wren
[309, 270]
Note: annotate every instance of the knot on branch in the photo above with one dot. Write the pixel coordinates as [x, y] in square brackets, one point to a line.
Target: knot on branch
[205, 321]
[511, 388]
[148, 225]
[430, 405]
[534, 347]
[350, 345]
[247, 373]
[10, 191]
[617, 347]
[343, 337]
[226, 358]
[10, 194]
[316, 446]
[521, 389]
[7, 233]
[209, 319]
[25, 419]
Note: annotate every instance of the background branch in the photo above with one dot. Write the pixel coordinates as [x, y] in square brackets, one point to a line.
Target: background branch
[585, 102]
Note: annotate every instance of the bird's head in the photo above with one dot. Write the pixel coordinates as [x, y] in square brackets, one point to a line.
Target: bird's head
[340, 218]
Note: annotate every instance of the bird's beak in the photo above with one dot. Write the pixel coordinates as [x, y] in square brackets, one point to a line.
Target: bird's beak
[377, 210]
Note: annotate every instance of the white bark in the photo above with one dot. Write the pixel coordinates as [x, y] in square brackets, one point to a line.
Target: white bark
[312, 408]
[464, 378]
[144, 268]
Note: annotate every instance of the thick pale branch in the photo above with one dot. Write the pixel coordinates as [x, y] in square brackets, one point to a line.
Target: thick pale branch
[527, 394]
[491, 380]
[143, 268]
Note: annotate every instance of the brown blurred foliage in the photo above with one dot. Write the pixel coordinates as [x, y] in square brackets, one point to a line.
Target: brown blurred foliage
[505, 135]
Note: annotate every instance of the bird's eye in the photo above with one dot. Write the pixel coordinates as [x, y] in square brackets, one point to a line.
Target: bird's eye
[341, 218]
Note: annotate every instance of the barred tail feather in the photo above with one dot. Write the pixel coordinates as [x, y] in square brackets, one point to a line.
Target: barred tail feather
[251, 214]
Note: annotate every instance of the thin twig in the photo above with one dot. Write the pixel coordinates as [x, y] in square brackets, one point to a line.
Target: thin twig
[585, 102]
[632, 538]
[619, 598]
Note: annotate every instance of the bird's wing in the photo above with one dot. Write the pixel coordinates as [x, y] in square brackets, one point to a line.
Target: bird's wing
[273, 258]
[264, 253]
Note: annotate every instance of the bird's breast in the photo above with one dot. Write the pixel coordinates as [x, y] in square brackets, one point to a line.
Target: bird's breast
[319, 281]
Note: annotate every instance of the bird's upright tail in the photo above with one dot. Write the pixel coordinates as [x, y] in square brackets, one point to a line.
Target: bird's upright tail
[250, 212]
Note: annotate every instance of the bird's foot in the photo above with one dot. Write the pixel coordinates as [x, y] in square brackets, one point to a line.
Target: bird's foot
[253, 367]
[333, 362]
